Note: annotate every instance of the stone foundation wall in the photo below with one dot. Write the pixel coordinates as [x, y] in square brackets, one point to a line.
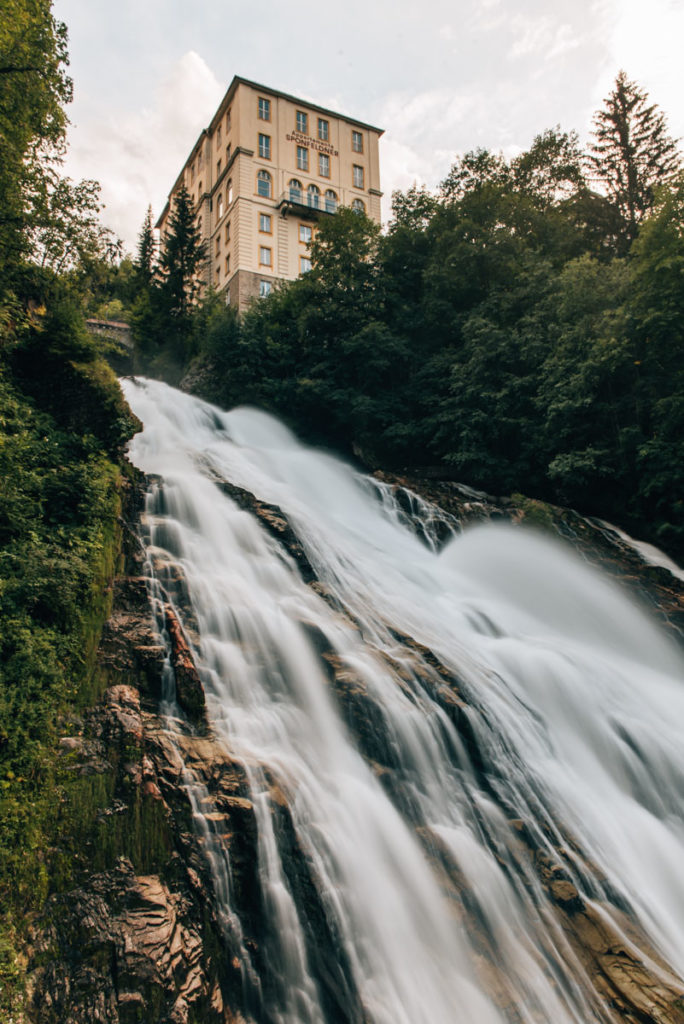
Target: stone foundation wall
[243, 288]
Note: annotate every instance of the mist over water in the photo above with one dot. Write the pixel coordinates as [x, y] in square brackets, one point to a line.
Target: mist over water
[563, 712]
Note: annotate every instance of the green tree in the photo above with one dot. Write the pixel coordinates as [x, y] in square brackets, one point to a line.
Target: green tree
[102, 282]
[478, 169]
[182, 255]
[64, 229]
[35, 87]
[631, 153]
[587, 387]
[656, 303]
[146, 257]
[551, 170]
[412, 209]
[44, 217]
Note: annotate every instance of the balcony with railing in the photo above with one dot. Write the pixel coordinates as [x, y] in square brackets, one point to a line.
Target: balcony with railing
[307, 202]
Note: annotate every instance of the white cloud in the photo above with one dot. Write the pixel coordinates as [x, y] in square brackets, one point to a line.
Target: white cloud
[136, 155]
[532, 35]
[542, 36]
[428, 115]
[563, 41]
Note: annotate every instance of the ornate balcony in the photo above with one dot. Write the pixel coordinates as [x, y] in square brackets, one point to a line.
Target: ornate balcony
[305, 203]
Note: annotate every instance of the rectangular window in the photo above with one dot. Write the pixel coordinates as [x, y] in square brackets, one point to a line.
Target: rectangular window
[305, 233]
[228, 264]
[218, 273]
[264, 256]
[324, 165]
[218, 169]
[218, 135]
[357, 176]
[265, 223]
[304, 264]
[264, 109]
[264, 288]
[264, 146]
[228, 152]
[302, 158]
[228, 120]
[228, 232]
[357, 142]
[323, 129]
[218, 244]
[302, 122]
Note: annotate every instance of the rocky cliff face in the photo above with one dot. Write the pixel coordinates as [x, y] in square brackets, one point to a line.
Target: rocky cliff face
[138, 938]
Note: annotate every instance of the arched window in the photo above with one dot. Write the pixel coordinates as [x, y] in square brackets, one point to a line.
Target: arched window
[330, 201]
[295, 191]
[358, 206]
[229, 192]
[313, 196]
[264, 184]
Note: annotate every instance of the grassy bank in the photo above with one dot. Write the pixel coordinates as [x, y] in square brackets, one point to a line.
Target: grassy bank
[63, 426]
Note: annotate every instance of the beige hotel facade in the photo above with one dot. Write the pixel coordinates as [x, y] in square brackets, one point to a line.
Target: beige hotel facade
[261, 177]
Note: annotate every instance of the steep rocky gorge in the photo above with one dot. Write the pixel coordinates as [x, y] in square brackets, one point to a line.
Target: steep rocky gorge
[143, 936]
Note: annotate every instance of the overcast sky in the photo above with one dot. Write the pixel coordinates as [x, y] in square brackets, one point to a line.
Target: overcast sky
[440, 76]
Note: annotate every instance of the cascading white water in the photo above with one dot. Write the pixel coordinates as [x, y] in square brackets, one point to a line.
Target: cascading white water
[573, 698]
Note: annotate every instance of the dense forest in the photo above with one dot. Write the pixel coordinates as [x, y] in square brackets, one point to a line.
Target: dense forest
[519, 330]
[63, 427]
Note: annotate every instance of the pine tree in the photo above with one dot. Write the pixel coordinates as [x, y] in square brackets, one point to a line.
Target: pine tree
[632, 152]
[181, 260]
[146, 258]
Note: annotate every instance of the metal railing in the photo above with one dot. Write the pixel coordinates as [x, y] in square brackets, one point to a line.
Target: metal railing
[310, 200]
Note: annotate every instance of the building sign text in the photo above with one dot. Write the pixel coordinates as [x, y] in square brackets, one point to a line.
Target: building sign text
[305, 140]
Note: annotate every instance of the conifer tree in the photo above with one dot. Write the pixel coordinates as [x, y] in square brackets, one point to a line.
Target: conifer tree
[146, 258]
[632, 152]
[181, 260]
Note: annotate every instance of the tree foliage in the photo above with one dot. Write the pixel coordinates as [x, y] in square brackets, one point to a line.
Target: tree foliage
[64, 229]
[631, 153]
[146, 257]
[35, 88]
[44, 217]
[181, 260]
[168, 285]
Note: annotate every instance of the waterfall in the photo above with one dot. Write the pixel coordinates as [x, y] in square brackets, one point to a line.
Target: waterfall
[476, 736]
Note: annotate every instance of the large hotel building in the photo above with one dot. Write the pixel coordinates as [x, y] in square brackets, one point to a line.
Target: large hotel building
[261, 176]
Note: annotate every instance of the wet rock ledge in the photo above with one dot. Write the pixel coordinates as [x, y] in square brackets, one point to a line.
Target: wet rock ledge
[130, 933]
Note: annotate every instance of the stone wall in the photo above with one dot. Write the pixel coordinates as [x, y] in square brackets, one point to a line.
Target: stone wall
[243, 288]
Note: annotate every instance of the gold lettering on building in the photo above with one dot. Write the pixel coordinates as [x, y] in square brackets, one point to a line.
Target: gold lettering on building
[305, 140]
